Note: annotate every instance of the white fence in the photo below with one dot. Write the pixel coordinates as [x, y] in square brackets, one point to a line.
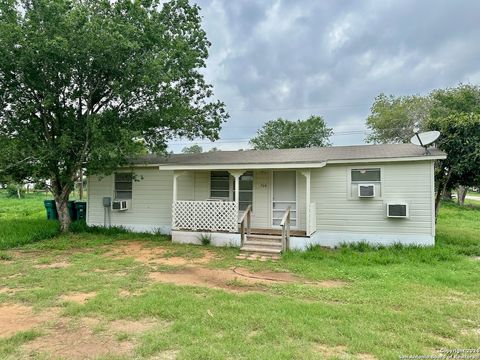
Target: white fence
[205, 215]
[312, 220]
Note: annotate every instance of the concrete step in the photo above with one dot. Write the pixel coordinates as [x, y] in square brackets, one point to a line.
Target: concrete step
[263, 243]
[264, 238]
[261, 249]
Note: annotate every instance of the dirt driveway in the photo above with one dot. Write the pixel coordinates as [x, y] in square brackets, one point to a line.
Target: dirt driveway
[48, 300]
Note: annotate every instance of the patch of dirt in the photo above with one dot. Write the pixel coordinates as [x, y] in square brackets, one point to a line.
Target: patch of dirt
[132, 326]
[235, 279]
[128, 293]
[155, 255]
[14, 318]
[78, 342]
[14, 276]
[80, 298]
[166, 355]
[327, 352]
[6, 290]
[56, 265]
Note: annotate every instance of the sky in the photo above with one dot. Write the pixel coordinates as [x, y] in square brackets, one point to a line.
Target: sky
[296, 58]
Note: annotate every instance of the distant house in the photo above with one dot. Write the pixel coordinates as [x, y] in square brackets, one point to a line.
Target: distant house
[381, 194]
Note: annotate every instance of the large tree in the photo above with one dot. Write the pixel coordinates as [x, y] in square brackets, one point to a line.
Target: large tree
[192, 149]
[392, 118]
[285, 134]
[455, 112]
[82, 80]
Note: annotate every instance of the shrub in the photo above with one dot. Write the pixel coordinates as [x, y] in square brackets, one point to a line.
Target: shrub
[206, 239]
[13, 191]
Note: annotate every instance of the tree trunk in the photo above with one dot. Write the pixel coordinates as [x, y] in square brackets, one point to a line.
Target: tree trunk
[80, 189]
[442, 186]
[61, 194]
[461, 193]
[447, 195]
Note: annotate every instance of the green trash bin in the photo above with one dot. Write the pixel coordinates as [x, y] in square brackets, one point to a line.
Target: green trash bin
[81, 208]
[71, 210]
[51, 209]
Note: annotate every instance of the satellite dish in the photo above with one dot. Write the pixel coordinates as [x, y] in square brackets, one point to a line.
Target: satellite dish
[424, 139]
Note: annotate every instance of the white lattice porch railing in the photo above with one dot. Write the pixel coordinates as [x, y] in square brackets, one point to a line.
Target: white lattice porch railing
[205, 215]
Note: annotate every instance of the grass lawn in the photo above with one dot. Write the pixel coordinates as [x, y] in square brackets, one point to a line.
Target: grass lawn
[114, 295]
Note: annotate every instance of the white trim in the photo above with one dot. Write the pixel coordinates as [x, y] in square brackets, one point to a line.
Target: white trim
[307, 173]
[387, 160]
[432, 179]
[333, 239]
[88, 199]
[217, 238]
[295, 165]
[227, 167]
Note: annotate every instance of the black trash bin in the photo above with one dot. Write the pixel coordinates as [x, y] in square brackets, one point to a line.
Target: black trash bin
[81, 207]
[51, 209]
[71, 210]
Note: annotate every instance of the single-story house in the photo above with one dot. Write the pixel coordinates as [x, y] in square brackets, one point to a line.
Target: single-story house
[380, 194]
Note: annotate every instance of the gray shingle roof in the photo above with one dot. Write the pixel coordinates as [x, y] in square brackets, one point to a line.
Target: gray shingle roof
[290, 156]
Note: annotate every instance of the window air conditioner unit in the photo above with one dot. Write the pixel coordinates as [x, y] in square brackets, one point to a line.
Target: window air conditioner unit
[120, 205]
[366, 190]
[397, 210]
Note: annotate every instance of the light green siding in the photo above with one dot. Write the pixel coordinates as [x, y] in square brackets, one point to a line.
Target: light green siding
[151, 204]
[338, 210]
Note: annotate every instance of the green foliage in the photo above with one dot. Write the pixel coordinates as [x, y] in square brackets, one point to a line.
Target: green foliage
[15, 191]
[82, 227]
[23, 221]
[455, 112]
[193, 149]
[284, 134]
[391, 118]
[11, 345]
[205, 239]
[418, 299]
[83, 81]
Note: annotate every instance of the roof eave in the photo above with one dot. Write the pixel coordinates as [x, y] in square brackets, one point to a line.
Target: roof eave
[294, 165]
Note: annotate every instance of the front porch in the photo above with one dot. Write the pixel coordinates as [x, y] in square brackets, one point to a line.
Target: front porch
[243, 207]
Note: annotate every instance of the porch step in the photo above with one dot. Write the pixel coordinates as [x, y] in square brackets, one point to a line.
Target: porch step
[264, 238]
[261, 246]
[264, 243]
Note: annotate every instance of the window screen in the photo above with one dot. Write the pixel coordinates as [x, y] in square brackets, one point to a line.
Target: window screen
[366, 175]
[123, 186]
[220, 184]
[223, 186]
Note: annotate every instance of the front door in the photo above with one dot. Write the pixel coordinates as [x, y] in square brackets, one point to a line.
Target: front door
[284, 195]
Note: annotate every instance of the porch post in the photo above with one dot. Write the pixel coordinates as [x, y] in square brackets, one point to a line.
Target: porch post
[236, 174]
[175, 186]
[175, 176]
[307, 175]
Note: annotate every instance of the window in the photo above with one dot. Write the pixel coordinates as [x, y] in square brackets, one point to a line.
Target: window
[123, 186]
[365, 175]
[222, 185]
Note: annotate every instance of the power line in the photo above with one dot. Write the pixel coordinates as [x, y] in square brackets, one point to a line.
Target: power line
[319, 107]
